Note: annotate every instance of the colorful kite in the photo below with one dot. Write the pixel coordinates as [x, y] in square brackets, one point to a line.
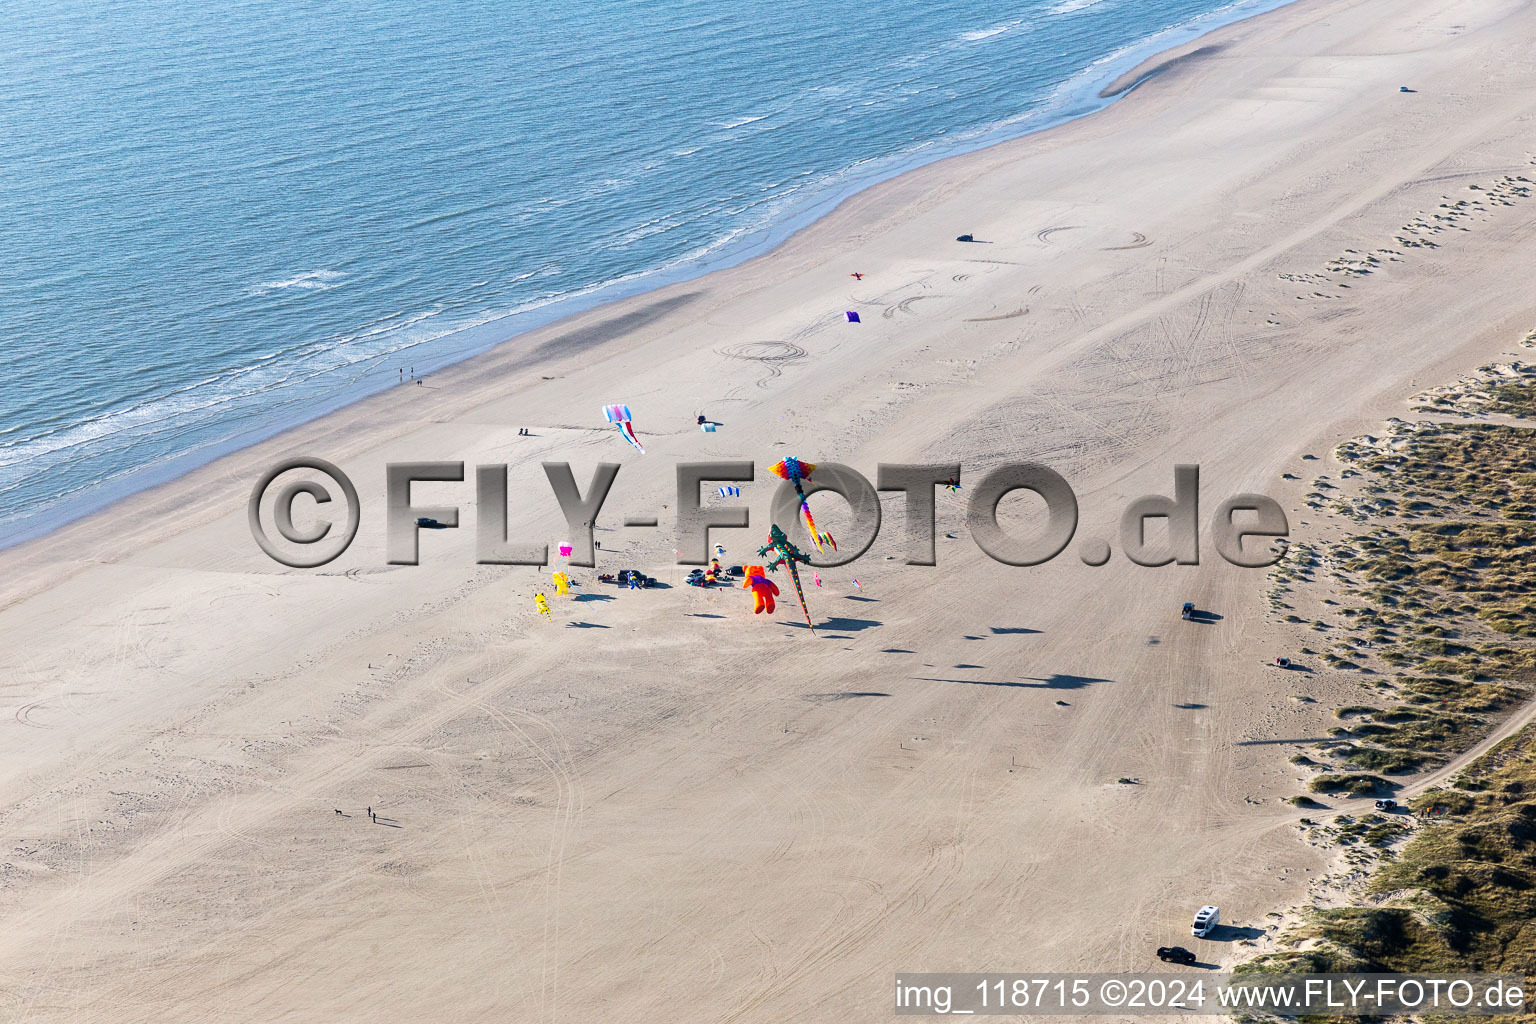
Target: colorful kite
[565, 549]
[786, 554]
[953, 483]
[543, 606]
[796, 472]
[620, 414]
[853, 317]
[729, 492]
[562, 583]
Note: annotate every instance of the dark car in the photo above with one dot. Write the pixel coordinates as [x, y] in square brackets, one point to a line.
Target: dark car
[1175, 955]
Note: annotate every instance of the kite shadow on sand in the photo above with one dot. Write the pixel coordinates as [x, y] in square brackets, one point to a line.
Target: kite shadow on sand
[1057, 681]
[837, 622]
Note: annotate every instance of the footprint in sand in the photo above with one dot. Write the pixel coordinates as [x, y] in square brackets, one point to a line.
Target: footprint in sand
[905, 305]
[1138, 241]
[1045, 235]
[1097, 236]
[1000, 316]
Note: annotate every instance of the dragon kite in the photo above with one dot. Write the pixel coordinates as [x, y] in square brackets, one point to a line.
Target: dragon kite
[786, 554]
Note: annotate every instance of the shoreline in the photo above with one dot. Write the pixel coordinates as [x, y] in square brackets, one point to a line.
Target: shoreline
[478, 340]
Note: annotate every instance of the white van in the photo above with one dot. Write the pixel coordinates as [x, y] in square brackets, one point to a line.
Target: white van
[1206, 919]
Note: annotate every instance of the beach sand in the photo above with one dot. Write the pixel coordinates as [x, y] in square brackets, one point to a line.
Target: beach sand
[684, 811]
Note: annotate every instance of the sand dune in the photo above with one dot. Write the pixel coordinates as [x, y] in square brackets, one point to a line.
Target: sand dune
[680, 810]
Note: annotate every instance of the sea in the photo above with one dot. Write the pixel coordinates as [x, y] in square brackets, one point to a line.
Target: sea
[225, 218]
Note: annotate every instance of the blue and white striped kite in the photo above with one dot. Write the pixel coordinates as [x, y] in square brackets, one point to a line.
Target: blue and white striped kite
[620, 414]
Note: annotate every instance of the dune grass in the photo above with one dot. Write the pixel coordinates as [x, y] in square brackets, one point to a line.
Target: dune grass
[1437, 595]
[1459, 896]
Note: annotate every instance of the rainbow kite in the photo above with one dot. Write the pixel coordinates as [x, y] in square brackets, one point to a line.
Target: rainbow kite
[795, 471]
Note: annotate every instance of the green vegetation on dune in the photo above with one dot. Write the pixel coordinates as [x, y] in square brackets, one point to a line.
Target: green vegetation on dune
[1434, 604]
[1428, 598]
[1355, 785]
[1460, 895]
[1504, 389]
[1516, 398]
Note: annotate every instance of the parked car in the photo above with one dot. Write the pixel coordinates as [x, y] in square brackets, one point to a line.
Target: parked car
[1206, 920]
[1175, 955]
[1386, 805]
[1188, 611]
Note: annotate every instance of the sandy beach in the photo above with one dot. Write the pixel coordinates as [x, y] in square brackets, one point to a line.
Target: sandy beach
[658, 806]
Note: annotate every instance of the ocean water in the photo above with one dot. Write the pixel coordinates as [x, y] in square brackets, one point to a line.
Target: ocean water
[224, 218]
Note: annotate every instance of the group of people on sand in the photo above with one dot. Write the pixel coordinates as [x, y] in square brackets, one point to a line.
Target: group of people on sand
[715, 575]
